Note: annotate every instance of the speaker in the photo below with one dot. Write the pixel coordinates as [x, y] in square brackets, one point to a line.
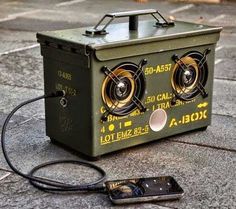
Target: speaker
[128, 83]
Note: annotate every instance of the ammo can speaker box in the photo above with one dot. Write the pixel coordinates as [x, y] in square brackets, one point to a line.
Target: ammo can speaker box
[127, 83]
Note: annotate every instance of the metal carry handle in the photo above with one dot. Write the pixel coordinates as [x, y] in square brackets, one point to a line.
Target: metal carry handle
[133, 20]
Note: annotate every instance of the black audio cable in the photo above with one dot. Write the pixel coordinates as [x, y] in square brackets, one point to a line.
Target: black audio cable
[51, 185]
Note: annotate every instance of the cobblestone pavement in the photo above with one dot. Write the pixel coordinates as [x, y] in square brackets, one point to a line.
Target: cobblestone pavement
[204, 163]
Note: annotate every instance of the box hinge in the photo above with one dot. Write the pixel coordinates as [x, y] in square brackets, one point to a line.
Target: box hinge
[87, 52]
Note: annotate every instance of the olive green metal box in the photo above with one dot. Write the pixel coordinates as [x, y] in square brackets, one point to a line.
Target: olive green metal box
[127, 83]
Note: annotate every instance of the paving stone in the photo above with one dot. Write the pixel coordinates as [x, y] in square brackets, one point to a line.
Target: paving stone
[228, 21]
[28, 140]
[95, 11]
[76, 15]
[213, 9]
[200, 171]
[224, 97]
[6, 11]
[16, 121]
[4, 174]
[225, 69]
[227, 39]
[203, 13]
[29, 4]
[36, 25]
[14, 35]
[221, 133]
[226, 56]
[227, 52]
[10, 46]
[11, 40]
[22, 195]
[11, 96]
[26, 69]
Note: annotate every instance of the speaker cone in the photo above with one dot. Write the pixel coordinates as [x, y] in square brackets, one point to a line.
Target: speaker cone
[123, 89]
[190, 75]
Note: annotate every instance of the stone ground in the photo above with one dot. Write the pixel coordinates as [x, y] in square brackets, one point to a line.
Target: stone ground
[204, 163]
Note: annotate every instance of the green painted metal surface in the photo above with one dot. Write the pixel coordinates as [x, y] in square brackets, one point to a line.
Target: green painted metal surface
[119, 34]
[73, 62]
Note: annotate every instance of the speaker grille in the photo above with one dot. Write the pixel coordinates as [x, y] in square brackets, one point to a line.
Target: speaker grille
[190, 75]
[123, 88]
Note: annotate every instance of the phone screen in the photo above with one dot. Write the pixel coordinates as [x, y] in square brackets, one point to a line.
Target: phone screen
[143, 187]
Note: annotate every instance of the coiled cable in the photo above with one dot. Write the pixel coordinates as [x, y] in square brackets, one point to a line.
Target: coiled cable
[51, 185]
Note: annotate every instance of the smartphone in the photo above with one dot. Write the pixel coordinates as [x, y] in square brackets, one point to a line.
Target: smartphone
[143, 189]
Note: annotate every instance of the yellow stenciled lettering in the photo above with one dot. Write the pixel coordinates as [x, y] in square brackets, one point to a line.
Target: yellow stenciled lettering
[164, 105]
[102, 109]
[135, 113]
[186, 119]
[157, 69]
[150, 99]
[195, 116]
[202, 114]
[164, 96]
[124, 134]
[138, 131]
[103, 129]
[173, 122]
[69, 90]
[64, 75]
[205, 114]
[107, 138]
[127, 123]
[189, 118]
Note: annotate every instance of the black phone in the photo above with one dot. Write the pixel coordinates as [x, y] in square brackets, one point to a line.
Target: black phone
[143, 189]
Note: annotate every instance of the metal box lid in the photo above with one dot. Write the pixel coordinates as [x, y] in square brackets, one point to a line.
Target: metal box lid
[126, 34]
